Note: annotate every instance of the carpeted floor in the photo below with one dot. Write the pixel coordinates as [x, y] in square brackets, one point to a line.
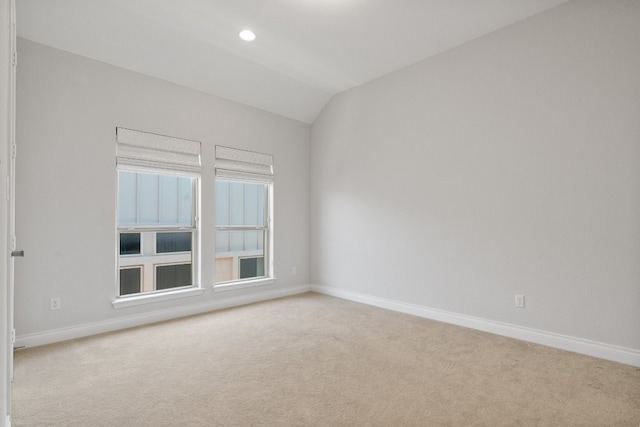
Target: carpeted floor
[314, 360]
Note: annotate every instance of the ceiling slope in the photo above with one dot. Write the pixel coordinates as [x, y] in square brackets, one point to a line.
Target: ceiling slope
[306, 50]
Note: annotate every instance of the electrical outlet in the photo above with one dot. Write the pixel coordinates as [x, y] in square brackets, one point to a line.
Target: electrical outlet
[294, 271]
[55, 303]
[520, 301]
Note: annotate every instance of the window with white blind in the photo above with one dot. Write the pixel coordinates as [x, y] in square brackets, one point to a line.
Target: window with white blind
[243, 207]
[157, 214]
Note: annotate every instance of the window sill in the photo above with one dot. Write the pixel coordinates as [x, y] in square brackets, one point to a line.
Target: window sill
[164, 296]
[243, 284]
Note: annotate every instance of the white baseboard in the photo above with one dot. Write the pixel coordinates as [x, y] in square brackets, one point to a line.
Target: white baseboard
[564, 342]
[578, 345]
[63, 334]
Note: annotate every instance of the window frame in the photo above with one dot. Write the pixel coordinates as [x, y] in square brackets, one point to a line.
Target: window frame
[148, 235]
[143, 152]
[243, 166]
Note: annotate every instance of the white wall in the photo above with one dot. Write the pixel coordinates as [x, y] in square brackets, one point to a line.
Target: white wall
[510, 165]
[68, 110]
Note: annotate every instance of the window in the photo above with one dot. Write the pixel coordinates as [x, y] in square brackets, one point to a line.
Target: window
[130, 280]
[243, 216]
[173, 242]
[251, 267]
[129, 243]
[158, 190]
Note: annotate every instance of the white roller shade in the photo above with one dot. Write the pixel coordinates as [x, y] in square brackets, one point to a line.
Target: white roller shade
[145, 149]
[242, 164]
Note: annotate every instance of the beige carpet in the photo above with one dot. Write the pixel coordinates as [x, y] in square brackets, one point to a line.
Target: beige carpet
[313, 360]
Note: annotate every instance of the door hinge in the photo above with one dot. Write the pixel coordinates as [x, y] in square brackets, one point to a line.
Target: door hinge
[13, 243]
[14, 58]
[14, 150]
[13, 336]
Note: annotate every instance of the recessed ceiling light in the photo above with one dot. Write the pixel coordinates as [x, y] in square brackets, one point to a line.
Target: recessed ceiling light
[247, 35]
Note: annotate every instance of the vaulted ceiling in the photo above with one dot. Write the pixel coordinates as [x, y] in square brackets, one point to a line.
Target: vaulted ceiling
[306, 51]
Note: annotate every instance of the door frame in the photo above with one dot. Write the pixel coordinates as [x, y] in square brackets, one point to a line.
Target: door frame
[8, 62]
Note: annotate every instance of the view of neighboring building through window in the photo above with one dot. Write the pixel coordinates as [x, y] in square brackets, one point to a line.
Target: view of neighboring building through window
[156, 228]
[244, 181]
[241, 229]
[157, 215]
